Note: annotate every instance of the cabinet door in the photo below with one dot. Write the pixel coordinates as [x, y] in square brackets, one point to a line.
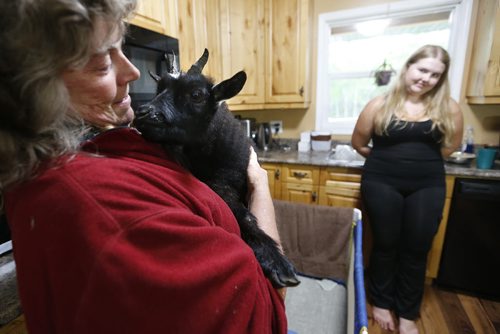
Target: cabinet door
[434, 256]
[151, 14]
[299, 193]
[242, 46]
[199, 24]
[274, 179]
[484, 79]
[287, 51]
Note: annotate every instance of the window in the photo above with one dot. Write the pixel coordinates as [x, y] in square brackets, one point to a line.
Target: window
[347, 58]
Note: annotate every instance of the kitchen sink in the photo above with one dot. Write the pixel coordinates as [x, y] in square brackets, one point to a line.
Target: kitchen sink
[345, 155]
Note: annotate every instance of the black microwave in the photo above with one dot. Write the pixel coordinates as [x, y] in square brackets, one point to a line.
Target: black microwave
[146, 49]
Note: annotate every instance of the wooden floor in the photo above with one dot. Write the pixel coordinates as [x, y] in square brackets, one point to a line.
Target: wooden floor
[16, 326]
[445, 312]
[442, 312]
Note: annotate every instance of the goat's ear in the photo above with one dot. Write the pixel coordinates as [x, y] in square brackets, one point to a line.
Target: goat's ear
[230, 87]
[154, 76]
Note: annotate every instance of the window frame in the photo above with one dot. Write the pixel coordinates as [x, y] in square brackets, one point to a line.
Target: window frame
[459, 32]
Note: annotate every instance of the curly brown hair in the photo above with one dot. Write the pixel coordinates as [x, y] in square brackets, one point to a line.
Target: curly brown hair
[38, 40]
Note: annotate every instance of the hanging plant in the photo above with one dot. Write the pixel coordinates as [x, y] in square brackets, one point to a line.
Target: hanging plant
[383, 74]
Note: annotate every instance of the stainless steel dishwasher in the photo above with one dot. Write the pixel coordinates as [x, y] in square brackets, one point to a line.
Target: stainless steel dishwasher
[471, 252]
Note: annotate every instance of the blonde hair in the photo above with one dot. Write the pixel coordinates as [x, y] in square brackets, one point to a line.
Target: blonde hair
[38, 40]
[436, 101]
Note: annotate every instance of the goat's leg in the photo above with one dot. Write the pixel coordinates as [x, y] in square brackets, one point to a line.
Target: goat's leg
[275, 265]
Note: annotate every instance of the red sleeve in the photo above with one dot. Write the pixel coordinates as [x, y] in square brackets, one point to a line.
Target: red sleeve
[90, 260]
[176, 279]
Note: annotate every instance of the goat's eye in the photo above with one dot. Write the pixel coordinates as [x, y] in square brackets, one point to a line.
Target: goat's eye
[198, 95]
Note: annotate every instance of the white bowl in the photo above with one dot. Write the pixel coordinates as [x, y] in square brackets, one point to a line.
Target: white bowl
[321, 145]
[460, 157]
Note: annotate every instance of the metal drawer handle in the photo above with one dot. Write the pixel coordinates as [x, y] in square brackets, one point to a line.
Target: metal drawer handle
[299, 175]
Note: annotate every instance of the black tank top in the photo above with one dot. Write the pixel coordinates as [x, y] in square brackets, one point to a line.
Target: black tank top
[410, 152]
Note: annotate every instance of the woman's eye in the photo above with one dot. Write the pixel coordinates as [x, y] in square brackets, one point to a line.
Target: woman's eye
[104, 68]
[101, 63]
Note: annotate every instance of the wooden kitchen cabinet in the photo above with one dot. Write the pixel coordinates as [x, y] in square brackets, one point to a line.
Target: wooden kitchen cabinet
[484, 78]
[268, 39]
[299, 183]
[287, 53]
[242, 32]
[199, 28]
[274, 179]
[340, 187]
[434, 257]
[152, 15]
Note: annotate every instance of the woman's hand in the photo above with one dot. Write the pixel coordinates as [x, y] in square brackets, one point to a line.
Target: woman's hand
[257, 176]
[260, 202]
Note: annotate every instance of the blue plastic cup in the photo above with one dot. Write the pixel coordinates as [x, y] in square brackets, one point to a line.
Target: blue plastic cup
[485, 158]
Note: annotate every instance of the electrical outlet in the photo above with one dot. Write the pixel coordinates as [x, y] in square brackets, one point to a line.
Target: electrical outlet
[276, 126]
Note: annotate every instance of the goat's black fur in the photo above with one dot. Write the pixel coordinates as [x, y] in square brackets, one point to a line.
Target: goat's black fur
[189, 119]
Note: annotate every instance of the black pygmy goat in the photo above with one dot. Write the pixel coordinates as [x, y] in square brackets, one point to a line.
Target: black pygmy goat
[188, 118]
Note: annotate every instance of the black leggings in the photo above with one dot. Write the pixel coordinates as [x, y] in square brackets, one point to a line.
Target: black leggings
[404, 222]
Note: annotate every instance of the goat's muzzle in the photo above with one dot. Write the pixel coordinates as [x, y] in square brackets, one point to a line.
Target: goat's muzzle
[144, 110]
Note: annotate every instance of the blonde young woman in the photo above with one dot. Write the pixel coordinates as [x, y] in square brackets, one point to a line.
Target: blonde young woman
[412, 128]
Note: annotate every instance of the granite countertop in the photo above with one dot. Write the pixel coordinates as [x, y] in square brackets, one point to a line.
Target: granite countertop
[321, 159]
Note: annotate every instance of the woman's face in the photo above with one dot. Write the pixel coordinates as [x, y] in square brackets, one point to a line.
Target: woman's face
[99, 91]
[423, 76]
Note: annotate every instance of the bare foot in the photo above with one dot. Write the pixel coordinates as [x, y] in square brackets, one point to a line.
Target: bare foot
[407, 326]
[384, 318]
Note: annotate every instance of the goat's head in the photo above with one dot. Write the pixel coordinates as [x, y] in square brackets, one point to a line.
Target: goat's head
[185, 104]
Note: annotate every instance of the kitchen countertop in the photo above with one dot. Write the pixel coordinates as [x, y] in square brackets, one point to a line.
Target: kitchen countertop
[320, 159]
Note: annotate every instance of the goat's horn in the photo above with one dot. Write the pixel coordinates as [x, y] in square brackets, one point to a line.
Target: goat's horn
[154, 76]
[172, 66]
[200, 63]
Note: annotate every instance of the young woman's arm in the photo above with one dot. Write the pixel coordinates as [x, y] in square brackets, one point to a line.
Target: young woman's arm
[364, 127]
[456, 140]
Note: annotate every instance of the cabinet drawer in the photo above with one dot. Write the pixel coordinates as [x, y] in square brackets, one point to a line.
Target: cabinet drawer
[342, 191]
[300, 193]
[340, 174]
[300, 174]
[343, 185]
[347, 198]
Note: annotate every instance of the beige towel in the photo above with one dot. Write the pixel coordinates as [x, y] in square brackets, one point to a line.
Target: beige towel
[316, 238]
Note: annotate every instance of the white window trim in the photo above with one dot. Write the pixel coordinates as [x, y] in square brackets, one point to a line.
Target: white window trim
[459, 32]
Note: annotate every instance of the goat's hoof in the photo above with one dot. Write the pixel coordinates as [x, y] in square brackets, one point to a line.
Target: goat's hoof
[282, 281]
[282, 273]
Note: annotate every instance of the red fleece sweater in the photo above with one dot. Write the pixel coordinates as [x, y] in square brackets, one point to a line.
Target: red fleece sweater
[130, 242]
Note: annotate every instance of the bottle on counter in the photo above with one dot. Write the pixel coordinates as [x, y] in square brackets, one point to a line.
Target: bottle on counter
[468, 145]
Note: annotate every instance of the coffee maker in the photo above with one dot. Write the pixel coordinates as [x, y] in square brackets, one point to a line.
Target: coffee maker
[263, 136]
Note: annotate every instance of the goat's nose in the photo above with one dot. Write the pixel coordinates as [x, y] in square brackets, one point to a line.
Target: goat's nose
[144, 110]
